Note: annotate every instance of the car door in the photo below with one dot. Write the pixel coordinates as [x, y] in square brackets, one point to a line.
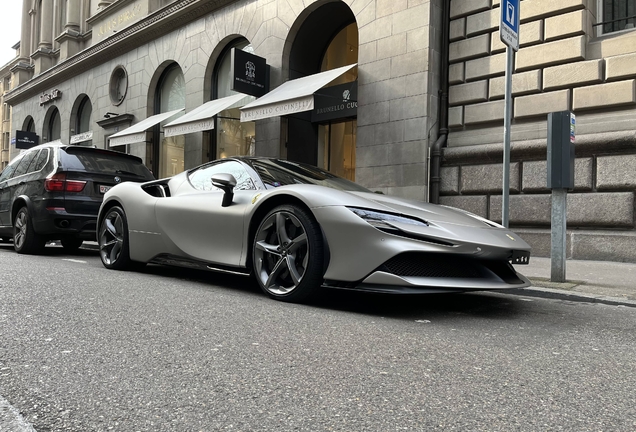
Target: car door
[5, 191]
[196, 222]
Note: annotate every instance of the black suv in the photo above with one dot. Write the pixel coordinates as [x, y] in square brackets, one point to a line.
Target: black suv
[53, 192]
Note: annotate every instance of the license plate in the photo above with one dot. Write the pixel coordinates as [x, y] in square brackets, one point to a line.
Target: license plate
[520, 257]
[103, 188]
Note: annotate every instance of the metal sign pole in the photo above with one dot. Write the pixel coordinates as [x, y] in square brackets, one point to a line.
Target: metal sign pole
[505, 201]
[509, 35]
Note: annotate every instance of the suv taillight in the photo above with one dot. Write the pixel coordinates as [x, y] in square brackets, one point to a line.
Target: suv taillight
[58, 183]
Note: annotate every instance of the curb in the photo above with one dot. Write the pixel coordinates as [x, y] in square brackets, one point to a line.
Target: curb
[556, 294]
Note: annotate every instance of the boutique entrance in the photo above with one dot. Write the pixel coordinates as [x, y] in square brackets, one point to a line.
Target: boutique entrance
[326, 136]
[337, 148]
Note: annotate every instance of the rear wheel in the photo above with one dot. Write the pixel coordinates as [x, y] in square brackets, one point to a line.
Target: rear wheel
[113, 241]
[25, 239]
[288, 254]
[71, 243]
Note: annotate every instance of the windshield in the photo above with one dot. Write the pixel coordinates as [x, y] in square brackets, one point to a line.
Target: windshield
[103, 162]
[274, 173]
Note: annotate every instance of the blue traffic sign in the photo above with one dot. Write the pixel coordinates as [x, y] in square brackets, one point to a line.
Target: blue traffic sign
[509, 26]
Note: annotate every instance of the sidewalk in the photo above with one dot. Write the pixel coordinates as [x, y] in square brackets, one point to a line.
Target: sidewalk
[591, 281]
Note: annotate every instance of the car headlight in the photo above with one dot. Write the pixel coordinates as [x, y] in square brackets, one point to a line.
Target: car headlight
[383, 220]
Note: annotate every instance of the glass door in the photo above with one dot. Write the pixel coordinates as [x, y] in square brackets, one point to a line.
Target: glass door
[337, 148]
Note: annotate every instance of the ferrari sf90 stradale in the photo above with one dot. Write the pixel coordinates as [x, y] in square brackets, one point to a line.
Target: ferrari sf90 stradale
[297, 228]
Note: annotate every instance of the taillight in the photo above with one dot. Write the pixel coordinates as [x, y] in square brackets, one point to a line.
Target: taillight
[75, 185]
[58, 183]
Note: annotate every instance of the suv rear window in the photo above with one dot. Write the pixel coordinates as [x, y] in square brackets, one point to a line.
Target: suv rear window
[103, 162]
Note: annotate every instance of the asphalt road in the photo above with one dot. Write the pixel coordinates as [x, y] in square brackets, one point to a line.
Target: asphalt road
[83, 348]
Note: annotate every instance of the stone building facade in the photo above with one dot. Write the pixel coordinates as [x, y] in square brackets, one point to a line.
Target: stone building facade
[568, 60]
[115, 59]
[5, 114]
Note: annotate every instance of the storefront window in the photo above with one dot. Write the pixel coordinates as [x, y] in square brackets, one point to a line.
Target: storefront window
[84, 119]
[233, 138]
[55, 126]
[171, 97]
[337, 139]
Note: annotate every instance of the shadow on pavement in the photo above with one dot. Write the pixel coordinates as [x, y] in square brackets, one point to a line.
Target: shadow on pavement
[477, 304]
[399, 306]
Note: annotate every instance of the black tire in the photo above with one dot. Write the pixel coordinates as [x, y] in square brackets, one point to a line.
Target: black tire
[25, 239]
[288, 254]
[114, 249]
[71, 243]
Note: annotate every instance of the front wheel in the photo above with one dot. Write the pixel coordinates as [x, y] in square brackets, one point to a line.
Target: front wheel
[25, 239]
[113, 240]
[288, 254]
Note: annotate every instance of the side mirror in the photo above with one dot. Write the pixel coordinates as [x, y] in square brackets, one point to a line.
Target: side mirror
[225, 182]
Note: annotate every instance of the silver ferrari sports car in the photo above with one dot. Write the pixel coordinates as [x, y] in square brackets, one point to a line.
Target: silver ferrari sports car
[298, 228]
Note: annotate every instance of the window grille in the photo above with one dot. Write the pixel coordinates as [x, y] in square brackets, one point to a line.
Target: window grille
[616, 15]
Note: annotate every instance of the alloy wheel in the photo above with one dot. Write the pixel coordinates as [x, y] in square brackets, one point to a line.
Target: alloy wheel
[281, 253]
[21, 226]
[111, 237]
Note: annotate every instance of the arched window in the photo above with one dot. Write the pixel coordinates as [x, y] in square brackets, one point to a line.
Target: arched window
[30, 125]
[232, 138]
[54, 127]
[170, 96]
[83, 119]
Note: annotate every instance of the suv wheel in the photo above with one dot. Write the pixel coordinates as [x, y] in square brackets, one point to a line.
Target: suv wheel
[25, 240]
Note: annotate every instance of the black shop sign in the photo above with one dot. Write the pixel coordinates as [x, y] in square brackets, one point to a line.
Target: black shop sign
[250, 73]
[26, 140]
[336, 102]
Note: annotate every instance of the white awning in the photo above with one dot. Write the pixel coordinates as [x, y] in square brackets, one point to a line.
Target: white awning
[201, 118]
[137, 132]
[291, 97]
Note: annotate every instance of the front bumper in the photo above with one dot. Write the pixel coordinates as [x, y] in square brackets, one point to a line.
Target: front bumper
[437, 258]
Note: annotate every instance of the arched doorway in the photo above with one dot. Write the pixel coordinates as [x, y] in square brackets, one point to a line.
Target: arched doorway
[327, 39]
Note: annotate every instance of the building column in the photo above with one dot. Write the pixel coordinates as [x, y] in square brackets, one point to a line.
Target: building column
[43, 56]
[69, 40]
[46, 25]
[72, 15]
[25, 33]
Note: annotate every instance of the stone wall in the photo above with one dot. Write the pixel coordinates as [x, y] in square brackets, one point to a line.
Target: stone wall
[399, 59]
[562, 64]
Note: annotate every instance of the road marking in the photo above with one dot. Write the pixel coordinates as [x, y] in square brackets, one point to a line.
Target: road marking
[74, 260]
[10, 418]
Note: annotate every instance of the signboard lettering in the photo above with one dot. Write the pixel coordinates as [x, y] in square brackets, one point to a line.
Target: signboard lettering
[335, 102]
[26, 140]
[250, 73]
[48, 97]
[85, 136]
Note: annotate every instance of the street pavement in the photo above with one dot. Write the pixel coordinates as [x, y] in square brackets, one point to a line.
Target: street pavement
[83, 348]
